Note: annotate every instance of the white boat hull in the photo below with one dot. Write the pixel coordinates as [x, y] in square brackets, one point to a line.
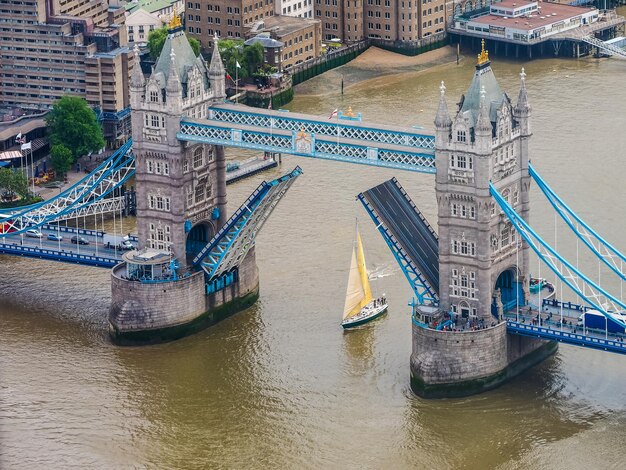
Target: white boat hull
[367, 313]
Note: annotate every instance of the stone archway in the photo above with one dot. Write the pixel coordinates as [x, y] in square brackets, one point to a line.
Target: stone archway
[507, 292]
[197, 238]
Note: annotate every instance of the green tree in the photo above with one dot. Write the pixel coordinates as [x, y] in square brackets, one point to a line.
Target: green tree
[73, 124]
[14, 181]
[61, 159]
[231, 51]
[157, 38]
[253, 57]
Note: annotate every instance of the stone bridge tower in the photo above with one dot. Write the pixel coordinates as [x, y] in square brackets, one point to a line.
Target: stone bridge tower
[181, 187]
[157, 294]
[483, 267]
[481, 259]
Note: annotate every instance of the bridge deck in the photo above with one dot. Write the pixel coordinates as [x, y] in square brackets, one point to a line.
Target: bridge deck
[409, 228]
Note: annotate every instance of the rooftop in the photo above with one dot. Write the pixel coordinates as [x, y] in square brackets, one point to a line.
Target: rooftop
[283, 25]
[548, 13]
[150, 6]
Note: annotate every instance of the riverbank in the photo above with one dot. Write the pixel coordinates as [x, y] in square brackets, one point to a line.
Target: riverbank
[377, 64]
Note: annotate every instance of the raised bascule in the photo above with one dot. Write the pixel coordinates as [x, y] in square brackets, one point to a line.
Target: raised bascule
[475, 321]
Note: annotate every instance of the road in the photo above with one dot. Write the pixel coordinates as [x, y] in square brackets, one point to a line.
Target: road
[94, 248]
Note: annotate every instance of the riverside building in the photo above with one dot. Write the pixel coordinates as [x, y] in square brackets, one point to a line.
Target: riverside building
[395, 20]
[75, 47]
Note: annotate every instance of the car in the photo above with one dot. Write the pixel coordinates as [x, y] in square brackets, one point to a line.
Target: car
[127, 245]
[54, 237]
[34, 233]
[78, 240]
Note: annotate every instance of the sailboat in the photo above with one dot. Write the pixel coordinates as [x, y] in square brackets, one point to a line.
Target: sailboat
[360, 307]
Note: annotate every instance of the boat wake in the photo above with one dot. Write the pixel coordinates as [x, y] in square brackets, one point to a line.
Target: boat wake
[385, 270]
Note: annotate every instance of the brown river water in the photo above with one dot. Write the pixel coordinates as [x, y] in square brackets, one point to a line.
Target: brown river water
[281, 385]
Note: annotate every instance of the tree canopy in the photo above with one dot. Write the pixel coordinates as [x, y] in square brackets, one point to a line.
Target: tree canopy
[14, 181]
[250, 58]
[73, 124]
[157, 38]
[61, 158]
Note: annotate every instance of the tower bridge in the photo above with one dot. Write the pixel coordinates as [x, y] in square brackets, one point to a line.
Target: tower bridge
[473, 316]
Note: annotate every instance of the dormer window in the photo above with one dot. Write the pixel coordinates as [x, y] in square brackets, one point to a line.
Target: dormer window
[461, 136]
[154, 96]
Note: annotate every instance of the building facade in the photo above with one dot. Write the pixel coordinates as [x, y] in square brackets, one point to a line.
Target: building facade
[299, 8]
[139, 24]
[394, 20]
[224, 18]
[301, 38]
[76, 47]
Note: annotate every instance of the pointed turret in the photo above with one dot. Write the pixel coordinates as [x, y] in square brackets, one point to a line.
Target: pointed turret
[443, 117]
[217, 73]
[522, 99]
[173, 82]
[137, 78]
[483, 123]
[522, 110]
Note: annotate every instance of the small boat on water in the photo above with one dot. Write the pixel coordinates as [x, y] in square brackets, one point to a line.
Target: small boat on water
[360, 307]
[537, 284]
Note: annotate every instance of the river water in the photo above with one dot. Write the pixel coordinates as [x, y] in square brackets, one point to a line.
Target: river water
[281, 385]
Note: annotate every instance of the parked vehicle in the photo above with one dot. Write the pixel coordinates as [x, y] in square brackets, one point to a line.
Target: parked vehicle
[78, 240]
[117, 241]
[34, 233]
[54, 237]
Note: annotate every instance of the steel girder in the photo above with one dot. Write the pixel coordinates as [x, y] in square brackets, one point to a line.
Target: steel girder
[270, 119]
[589, 291]
[327, 148]
[91, 190]
[232, 242]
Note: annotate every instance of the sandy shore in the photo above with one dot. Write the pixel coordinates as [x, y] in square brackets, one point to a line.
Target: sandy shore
[376, 58]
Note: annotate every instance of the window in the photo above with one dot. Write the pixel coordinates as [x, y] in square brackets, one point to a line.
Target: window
[199, 196]
[154, 96]
[461, 136]
[198, 158]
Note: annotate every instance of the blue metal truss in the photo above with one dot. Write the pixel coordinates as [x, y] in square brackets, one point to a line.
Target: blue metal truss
[603, 250]
[89, 191]
[344, 149]
[56, 255]
[232, 242]
[593, 294]
[345, 128]
[422, 289]
[541, 332]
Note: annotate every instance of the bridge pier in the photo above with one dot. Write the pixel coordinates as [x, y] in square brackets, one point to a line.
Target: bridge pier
[448, 364]
[154, 312]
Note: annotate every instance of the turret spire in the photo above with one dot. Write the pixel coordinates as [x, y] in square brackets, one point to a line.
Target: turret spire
[137, 79]
[217, 74]
[443, 117]
[522, 99]
[483, 124]
[173, 81]
[217, 66]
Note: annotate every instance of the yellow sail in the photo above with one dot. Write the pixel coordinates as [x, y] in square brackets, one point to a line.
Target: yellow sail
[365, 282]
[354, 293]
